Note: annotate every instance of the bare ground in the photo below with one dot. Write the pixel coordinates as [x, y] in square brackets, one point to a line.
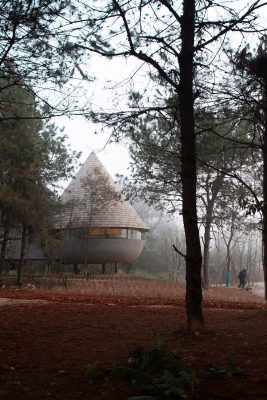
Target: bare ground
[46, 345]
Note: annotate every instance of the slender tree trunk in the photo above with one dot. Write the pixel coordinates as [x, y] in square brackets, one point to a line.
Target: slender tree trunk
[75, 269]
[3, 246]
[248, 263]
[216, 186]
[255, 261]
[242, 251]
[218, 258]
[206, 248]
[228, 265]
[229, 249]
[264, 236]
[22, 254]
[103, 268]
[195, 318]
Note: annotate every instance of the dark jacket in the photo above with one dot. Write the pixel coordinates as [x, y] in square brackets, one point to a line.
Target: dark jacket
[242, 275]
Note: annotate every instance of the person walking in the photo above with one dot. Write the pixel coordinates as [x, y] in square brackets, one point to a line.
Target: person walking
[242, 278]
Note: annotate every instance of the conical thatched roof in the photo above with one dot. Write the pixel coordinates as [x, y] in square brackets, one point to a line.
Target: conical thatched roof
[114, 212]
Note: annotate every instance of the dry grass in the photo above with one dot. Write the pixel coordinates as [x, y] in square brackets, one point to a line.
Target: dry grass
[134, 288]
[154, 289]
[231, 295]
[130, 291]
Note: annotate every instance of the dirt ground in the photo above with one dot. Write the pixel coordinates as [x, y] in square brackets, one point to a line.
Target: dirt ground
[46, 345]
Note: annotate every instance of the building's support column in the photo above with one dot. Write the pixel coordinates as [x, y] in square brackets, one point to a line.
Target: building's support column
[75, 269]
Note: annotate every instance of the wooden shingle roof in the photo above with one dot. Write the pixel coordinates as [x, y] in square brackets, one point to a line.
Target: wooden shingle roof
[117, 213]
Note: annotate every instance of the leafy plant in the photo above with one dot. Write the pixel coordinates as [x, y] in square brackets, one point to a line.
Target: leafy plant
[213, 370]
[231, 370]
[94, 372]
[157, 372]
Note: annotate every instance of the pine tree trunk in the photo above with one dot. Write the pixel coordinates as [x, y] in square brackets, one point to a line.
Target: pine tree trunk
[216, 186]
[206, 249]
[76, 269]
[228, 265]
[22, 255]
[264, 236]
[195, 318]
[3, 246]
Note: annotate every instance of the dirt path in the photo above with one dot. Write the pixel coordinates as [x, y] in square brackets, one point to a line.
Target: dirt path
[45, 346]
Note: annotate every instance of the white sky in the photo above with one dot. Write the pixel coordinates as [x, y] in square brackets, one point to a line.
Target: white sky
[81, 132]
[82, 137]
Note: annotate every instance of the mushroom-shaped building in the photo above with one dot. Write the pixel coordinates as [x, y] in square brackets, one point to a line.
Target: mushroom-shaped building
[99, 225]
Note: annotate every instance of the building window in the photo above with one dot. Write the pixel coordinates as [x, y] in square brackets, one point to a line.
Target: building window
[100, 232]
[95, 232]
[134, 234]
[116, 232]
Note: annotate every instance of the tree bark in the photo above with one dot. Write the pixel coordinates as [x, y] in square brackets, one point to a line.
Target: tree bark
[216, 186]
[3, 246]
[229, 249]
[22, 254]
[206, 247]
[195, 319]
[103, 268]
[264, 156]
[228, 265]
